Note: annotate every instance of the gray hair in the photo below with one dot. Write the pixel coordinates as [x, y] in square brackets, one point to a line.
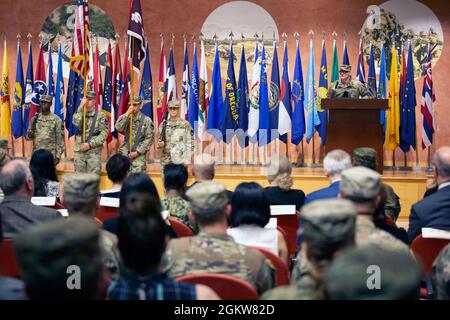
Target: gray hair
[441, 160]
[204, 167]
[13, 176]
[336, 161]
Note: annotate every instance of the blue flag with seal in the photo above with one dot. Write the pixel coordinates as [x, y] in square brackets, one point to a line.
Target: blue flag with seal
[264, 118]
[274, 95]
[193, 94]
[59, 94]
[243, 102]
[50, 81]
[323, 91]
[371, 77]
[74, 95]
[146, 86]
[382, 85]
[408, 110]
[17, 119]
[230, 123]
[216, 111]
[298, 97]
[345, 59]
[312, 117]
[28, 89]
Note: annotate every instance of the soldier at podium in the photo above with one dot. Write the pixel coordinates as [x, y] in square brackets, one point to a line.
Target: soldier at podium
[346, 87]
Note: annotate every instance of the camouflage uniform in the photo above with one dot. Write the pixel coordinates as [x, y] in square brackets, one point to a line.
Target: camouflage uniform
[327, 224]
[353, 90]
[86, 186]
[4, 158]
[47, 131]
[139, 164]
[46, 251]
[367, 157]
[349, 276]
[178, 208]
[90, 161]
[441, 274]
[362, 184]
[215, 252]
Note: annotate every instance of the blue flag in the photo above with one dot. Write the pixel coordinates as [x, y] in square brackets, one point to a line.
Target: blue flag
[264, 117]
[312, 118]
[50, 82]
[216, 111]
[360, 70]
[193, 93]
[382, 85]
[408, 110]
[59, 98]
[274, 95]
[19, 90]
[285, 109]
[28, 89]
[243, 102]
[74, 95]
[146, 87]
[323, 90]
[230, 102]
[371, 77]
[298, 116]
[345, 59]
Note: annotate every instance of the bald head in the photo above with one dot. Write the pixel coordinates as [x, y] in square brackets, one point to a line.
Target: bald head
[441, 160]
[16, 179]
[203, 169]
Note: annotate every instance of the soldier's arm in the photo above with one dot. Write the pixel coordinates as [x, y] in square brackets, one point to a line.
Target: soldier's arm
[330, 93]
[363, 91]
[192, 142]
[265, 278]
[122, 123]
[144, 146]
[60, 139]
[31, 129]
[77, 119]
[97, 141]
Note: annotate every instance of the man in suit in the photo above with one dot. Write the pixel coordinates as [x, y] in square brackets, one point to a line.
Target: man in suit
[334, 163]
[434, 210]
[17, 211]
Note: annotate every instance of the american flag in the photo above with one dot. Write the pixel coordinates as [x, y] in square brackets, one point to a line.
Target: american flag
[79, 62]
[361, 72]
[426, 108]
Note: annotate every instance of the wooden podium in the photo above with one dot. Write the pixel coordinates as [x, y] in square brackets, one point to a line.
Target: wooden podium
[354, 123]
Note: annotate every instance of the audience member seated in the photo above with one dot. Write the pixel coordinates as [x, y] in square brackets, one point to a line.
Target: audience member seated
[79, 197]
[10, 288]
[47, 252]
[117, 169]
[18, 213]
[362, 186]
[373, 272]
[142, 242]
[329, 228]
[334, 163]
[250, 212]
[279, 176]
[175, 178]
[367, 157]
[441, 275]
[212, 250]
[43, 169]
[434, 210]
[138, 182]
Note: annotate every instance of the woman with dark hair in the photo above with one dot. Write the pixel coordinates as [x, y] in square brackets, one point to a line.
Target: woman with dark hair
[117, 169]
[250, 213]
[42, 166]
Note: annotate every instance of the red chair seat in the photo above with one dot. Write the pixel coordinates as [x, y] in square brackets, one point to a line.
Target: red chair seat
[225, 286]
[282, 271]
[9, 265]
[181, 229]
[105, 213]
[289, 224]
[427, 249]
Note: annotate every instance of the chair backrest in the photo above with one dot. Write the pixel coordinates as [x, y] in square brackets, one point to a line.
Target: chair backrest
[105, 213]
[289, 224]
[282, 271]
[9, 265]
[181, 229]
[227, 287]
[427, 249]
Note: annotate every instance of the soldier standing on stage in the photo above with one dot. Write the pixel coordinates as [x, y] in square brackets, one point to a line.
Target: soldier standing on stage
[142, 135]
[47, 130]
[88, 154]
[346, 87]
[175, 137]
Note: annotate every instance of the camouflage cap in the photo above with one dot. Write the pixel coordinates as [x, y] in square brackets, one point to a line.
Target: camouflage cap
[365, 157]
[360, 183]
[173, 104]
[136, 100]
[3, 144]
[45, 98]
[207, 197]
[47, 250]
[329, 222]
[91, 94]
[373, 272]
[345, 67]
[441, 274]
[81, 185]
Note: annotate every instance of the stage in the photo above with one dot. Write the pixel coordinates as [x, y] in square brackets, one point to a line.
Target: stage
[409, 185]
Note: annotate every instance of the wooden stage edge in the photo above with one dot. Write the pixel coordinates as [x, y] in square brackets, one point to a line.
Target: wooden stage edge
[409, 185]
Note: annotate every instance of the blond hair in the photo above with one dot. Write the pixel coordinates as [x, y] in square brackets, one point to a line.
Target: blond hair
[279, 172]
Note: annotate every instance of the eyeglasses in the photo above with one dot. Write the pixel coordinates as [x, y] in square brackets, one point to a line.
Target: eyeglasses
[171, 108]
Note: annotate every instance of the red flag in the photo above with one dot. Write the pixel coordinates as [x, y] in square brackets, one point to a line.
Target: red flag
[39, 85]
[79, 62]
[98, 85]
[162, 99]
[125, 98]
[107, 105]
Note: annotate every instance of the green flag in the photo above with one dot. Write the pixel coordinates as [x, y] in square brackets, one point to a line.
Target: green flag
[334, 64]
